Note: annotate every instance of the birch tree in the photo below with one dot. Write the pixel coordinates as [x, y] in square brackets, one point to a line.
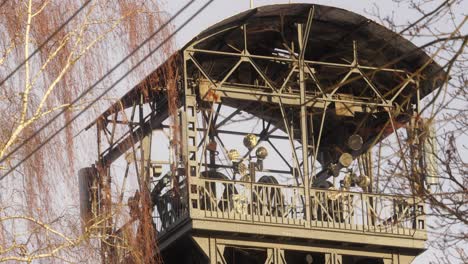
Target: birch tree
[50, 52]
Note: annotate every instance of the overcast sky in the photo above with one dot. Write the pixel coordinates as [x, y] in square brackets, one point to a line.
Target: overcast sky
[221, 9]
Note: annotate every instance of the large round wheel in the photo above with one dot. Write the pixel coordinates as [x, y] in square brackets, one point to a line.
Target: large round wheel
[268, 200]
[209, 199]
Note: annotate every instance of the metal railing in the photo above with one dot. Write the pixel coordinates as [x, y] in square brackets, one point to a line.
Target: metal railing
[254, 202]
[170, 209]
[366, 212]
[285, 205]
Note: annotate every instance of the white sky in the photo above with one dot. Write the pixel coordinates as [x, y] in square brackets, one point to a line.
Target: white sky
[221, 9]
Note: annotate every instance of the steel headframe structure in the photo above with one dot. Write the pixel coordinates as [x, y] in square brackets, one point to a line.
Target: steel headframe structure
[308, 90]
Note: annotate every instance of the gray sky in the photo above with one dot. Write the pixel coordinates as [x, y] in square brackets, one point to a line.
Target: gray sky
[221, 9]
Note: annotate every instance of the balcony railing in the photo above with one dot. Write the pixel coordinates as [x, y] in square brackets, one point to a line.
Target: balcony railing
[281, 205]
[170, 209]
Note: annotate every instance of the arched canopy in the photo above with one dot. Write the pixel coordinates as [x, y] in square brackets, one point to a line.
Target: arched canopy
[331, 38]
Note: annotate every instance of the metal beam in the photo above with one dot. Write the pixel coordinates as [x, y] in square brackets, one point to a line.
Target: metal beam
[304, 127]
[283, 59]
[136, 135]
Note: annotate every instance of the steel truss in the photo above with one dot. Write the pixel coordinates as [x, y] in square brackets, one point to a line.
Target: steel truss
[297, 112]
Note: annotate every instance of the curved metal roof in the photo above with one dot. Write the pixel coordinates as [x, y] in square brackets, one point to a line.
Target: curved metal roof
[331, 38]
[332, 32]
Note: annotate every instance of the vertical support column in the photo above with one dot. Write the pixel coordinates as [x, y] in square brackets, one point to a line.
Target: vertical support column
[104, 202]
[304, 128]
[145, 153]
[333, 258]
[146, 160]
[270, 256]
[146, 230]
[107, 250]
[213, 251]
[143, 176]
[98, 136]
[370, 172]
[275, 256]
[189, 137]
[280, 259]
[420, 206]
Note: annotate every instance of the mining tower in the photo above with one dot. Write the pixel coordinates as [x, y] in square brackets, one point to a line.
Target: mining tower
[255, 142]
